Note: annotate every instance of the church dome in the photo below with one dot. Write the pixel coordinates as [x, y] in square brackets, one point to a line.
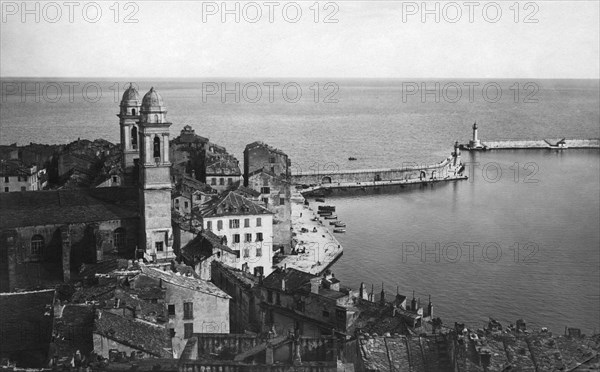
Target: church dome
[152, 101]
[131, 97]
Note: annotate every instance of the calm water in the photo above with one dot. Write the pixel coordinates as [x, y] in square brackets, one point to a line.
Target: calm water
[538, 254]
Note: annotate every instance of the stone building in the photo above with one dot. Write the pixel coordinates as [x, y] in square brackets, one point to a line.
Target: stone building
[244, 226]
[129, 116]
[16, 176]
[193, 305]
[267, 170]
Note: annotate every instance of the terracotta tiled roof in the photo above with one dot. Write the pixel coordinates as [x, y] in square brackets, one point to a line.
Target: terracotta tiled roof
[232, 204]
[185, 282]
[140, 335]
[35, 208]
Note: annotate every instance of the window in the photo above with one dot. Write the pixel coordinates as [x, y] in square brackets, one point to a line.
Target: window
[208, 225]
[156, 147]
[23, 188]
[246, 222]
[340, 314]
[281, 201]
[230, 181]
[259, 237]
[300, 305]
[6, 179]
[236, 238]
[159, 246]
[265, 190]
[270, 296]
[171, 310]
[248, 238]
[278, 298]
[259, 252]
[246, 252]
[177, 204]
[186, 205]
[6, 189]
[272, 160]
[234, 224]
[258, 222]
[220, 225]
[188, 330]
[213, 181]
[119, 239]
[37, 244]
[325, 314]
[221, 181]
[265, 200]
[188, 310]
[115, 179]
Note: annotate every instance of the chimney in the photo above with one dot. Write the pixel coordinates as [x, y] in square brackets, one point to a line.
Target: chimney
[283, 284]
[382, 299]
[314, 285]
[413, 303]
[430, 308]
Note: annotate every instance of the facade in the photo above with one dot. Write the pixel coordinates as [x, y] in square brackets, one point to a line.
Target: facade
[155, 179]
[16, 176]
[275, 194]
[260, 156]
[47, 234]
[223, 173]
[244, 226]
[193, 305]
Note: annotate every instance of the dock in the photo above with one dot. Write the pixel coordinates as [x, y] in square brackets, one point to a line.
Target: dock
[317, 250]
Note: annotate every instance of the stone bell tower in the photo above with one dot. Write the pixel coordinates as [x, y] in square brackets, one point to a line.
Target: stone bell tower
[155, 179]
[129, 115]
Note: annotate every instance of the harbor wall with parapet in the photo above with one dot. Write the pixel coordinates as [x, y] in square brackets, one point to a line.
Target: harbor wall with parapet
[593, 143]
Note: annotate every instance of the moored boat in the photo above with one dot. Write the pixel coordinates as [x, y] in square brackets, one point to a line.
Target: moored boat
[331, 217]
[340, 224]
[321, 200]
[339, 230]
[326, 208]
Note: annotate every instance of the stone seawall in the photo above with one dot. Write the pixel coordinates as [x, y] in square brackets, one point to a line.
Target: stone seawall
[593, 143]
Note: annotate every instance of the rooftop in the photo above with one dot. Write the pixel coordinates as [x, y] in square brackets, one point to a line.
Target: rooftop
[185, 281]
[141, 335]
[264, 145]
[34, 208]
[232, 204]
[294, 279]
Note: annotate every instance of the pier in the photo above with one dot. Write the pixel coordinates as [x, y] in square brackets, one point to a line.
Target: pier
[475, 144]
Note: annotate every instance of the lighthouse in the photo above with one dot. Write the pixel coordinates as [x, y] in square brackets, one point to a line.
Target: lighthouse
[474, 143]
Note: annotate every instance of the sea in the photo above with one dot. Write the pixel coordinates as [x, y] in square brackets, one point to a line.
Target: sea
[519, 239]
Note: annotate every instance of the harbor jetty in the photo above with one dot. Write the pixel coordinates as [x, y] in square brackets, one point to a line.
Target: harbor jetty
[316, 249]
[475, 144]
[327, 182]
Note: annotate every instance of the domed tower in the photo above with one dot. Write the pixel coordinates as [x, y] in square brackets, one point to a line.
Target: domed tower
[128, 118]
[155, 178]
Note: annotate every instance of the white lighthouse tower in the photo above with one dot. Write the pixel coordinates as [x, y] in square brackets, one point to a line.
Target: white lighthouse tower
[475, 143]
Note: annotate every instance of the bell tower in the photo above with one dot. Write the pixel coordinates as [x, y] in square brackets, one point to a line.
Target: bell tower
[155, 179]
[129, 115]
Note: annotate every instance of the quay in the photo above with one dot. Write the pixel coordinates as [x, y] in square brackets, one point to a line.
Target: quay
[349, 187]
[316, 249]
[475, 144]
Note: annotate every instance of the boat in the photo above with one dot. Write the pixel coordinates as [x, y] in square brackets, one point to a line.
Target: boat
[325, 213]
[339, 230]
[332, 222]
[326, 208]
[320, 200]
[351, 158]
[331, 217]
[339, 224]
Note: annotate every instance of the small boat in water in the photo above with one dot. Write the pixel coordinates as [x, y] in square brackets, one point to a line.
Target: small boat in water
[339, 230]
[339, 224]
[333, 222]
[325, 213]
[320, 200]
[326, 208]
[331, 217]
[351, 158]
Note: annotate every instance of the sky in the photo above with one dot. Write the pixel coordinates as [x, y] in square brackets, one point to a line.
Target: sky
[341, 39]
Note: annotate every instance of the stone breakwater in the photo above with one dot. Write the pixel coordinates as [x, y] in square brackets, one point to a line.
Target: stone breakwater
[593, 143]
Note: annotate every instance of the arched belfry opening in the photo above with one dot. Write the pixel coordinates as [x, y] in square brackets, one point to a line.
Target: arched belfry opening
[156, 147]
[134, 137]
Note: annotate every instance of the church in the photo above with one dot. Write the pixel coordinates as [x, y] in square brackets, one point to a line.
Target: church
[49, 237]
